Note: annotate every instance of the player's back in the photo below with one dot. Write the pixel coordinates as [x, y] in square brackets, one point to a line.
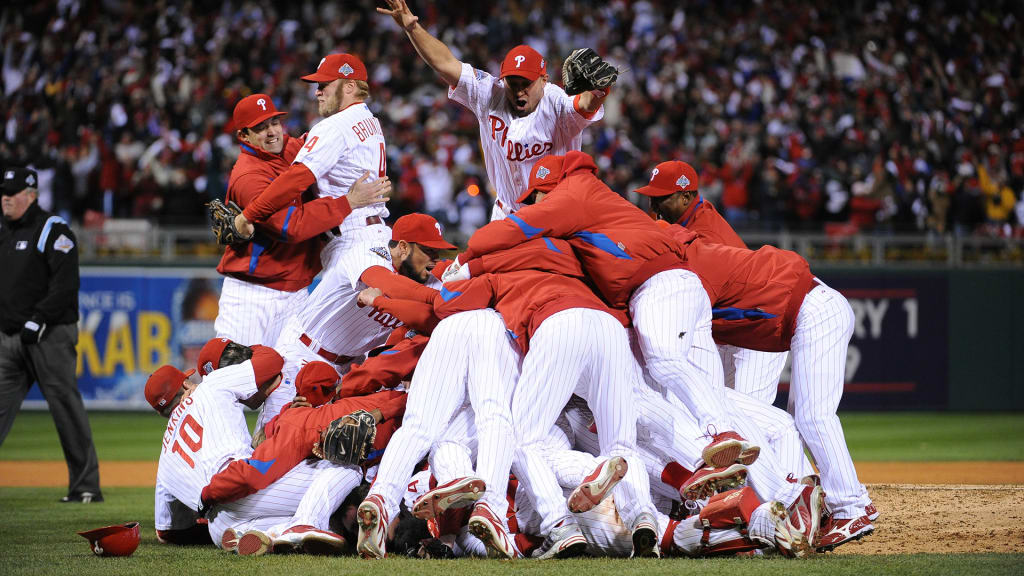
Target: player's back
[206, 431]
[340, 149]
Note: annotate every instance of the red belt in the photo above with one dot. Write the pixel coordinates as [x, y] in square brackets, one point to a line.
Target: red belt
[329, 356]
[370, 221]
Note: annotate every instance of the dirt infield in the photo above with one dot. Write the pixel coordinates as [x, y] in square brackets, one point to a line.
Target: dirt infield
[926, 507]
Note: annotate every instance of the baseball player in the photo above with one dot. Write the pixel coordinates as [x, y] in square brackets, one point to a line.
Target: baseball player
[468, 357]
[674, 191]
[769, 300]
[207, 431]
[522, 116]
[632, 263]
[334, 326]
[267, 278]
[573, 342]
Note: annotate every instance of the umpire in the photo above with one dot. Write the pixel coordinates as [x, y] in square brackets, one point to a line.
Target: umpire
[38, 320]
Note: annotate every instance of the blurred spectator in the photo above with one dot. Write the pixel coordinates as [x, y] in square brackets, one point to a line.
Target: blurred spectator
[897, 115]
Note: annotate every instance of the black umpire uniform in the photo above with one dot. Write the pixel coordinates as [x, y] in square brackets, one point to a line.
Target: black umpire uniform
[39, 324]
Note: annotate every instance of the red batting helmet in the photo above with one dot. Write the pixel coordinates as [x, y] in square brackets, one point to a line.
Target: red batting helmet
[117, 540]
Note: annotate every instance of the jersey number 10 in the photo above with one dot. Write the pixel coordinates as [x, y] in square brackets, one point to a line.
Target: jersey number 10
[191, 433]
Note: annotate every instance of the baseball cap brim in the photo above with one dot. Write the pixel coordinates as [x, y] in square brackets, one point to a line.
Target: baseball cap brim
[655, 191]
[255, 122]
[438, 245]
[320, 77]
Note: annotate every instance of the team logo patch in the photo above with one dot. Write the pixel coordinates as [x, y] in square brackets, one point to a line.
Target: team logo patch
[63, 243]
[683, 182]
[31, 181]
[208, 367]
[653, 174]
[438, 226]
[9, 175]
[382, 252]
[346, 70]
[21, 245]
[543, 172]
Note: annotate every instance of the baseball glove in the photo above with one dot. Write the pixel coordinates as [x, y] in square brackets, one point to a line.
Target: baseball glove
[584, 70]
[222, 218]
[347, 440]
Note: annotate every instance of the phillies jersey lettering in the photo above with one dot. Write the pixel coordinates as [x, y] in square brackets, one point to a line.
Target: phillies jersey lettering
[339, 149]
[384, 318]
[511, 144]
[516, 151]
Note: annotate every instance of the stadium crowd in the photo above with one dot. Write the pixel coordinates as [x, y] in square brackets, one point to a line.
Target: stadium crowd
[803, 115]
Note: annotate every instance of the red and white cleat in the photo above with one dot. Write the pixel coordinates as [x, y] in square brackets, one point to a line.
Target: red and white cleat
[708, 481]
[796, 527]
[486, 526]
[373, 528]
[458, 493]
[253, 543]
[598, 484]
[729, 447]
[839, 531]
[309, 540]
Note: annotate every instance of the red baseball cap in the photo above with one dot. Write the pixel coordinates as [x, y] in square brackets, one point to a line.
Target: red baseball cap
[420, 229]
[251, 111]
[163, 385]
[316, 382]
[523, 61]
[334, 66]
[545, 175]
[670, 177]
[209, 355]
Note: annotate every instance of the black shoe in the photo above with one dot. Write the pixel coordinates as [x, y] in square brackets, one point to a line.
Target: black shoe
[83, 497]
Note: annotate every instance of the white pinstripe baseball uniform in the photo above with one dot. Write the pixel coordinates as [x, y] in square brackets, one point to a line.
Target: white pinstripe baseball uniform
[252, 314]
[512, 144]
[205, 432]
[753, 372]
[338, 150]
[306, 495]
[469, 355]
[824, 327]
[583, 351]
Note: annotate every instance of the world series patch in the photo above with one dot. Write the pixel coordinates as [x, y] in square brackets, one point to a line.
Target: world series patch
[382, 252]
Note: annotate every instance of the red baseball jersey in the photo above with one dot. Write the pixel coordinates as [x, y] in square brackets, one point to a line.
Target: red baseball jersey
[702, 218]
[619, 245]
[285, 253]
[290, 439]
[755, 294]
[386, 370]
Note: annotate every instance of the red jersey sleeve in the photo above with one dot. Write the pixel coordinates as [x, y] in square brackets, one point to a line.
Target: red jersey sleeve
[395, 285]
[284, 189]
[386, 370]
[307, 220]
[417, 315]
[552, 255]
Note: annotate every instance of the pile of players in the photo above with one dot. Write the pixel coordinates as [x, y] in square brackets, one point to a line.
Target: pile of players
[559, 390]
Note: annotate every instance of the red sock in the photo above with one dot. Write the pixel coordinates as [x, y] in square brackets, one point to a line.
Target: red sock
[675, 475]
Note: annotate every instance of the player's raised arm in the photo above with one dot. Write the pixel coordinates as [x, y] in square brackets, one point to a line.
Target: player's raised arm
[433, 51]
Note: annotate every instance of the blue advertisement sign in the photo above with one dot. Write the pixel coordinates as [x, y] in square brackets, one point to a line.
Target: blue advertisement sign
[134, 320]
[898, 356]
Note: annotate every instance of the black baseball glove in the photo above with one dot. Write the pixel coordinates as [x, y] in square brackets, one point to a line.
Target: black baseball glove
[584, 70]
[222, 222]
[347, 440]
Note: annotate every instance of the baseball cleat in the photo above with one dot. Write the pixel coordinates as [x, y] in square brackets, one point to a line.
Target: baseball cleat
[872, 512]
[598, 484]
[229, 540]
[707, 481]
[729, 447]
[565, 541]
[797, 527]
[491, 531]
[458, 493]
[373, 527]
[309, 540]
[253, 543]
[645, 537]
[839, 531]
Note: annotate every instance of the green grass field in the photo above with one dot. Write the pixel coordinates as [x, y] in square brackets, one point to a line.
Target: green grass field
[899, 436]
[38, 533]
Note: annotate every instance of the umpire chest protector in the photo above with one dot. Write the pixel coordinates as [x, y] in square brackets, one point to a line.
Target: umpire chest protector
[39, 261]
